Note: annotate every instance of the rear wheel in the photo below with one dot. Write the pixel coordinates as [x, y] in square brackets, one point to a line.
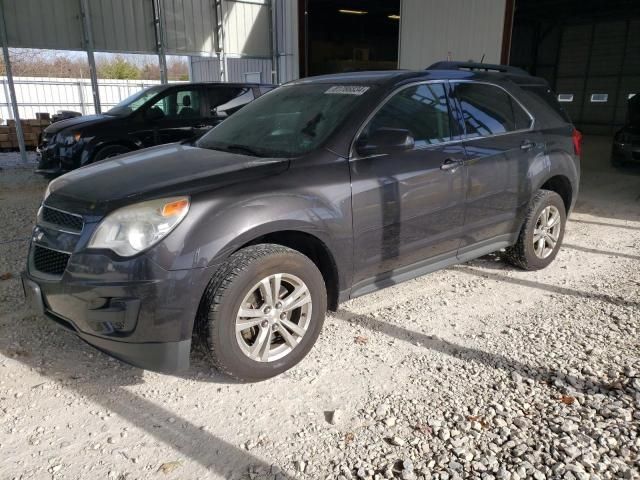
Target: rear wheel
[110, 151]
[541, 234]
[264, 311]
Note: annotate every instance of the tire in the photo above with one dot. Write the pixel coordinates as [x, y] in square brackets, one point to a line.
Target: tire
[232, 286]
[524, 254]
[110, 151]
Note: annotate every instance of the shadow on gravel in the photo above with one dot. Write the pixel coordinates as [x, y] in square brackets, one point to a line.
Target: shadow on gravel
[603, 224]
[603, 297]
[107, 389]
[600, 252]
[538, 374]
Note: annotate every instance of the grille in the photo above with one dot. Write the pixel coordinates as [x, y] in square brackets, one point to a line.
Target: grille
[62, 219]
[49, 261]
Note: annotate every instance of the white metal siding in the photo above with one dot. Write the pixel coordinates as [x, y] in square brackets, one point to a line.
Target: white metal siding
[247, 28]
[287, 36]
[432, 30]
[44, 94]
[208, 69]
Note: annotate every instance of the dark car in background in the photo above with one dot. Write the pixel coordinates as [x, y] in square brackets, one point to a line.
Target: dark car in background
[322, 190]
[626, 142]
[153, 116]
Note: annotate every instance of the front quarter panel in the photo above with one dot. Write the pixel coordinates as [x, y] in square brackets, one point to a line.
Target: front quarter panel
[313, 196]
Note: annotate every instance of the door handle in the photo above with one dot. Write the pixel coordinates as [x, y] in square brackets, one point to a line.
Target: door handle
[527, 145]
[450, 164]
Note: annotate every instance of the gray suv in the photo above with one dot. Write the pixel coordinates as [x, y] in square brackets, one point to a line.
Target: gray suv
[317, 192]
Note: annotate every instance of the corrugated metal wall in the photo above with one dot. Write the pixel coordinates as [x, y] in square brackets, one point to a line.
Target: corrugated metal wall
[125, 26]
[58, 28]
[286, 24]
[247, 27]
[239, 69]
[431, 30]
[189, 27]
[133, 32]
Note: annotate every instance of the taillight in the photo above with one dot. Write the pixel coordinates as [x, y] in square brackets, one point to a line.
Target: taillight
[576, 136]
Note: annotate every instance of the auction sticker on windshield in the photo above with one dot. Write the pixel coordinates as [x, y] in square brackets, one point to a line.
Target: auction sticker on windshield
[347, 90]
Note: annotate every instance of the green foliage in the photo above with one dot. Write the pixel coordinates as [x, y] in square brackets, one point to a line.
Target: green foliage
[118, 68]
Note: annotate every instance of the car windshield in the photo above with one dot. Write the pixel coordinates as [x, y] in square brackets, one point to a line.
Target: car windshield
[287, 122]
[134, 102]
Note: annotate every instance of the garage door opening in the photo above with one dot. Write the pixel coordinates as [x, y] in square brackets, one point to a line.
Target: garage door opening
[348, 35]
[589, 51]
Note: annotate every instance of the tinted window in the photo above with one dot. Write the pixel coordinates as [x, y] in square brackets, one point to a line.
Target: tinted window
[421, 109]
[489, 110]
[179, 104]
[223, 101]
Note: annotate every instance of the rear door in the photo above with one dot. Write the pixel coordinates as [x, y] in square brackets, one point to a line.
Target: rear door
[408, 206]
[176, 115]
[499, 144]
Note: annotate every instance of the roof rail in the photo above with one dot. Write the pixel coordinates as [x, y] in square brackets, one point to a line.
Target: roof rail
[487, 67]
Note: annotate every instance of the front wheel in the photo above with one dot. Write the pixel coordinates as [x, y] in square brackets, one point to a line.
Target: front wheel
[263, 311]
[110, 151]
[541, 234]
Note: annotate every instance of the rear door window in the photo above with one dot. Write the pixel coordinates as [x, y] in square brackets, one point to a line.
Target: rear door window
[184, 103]
[223, 101]
[489, 110]
[422, 110]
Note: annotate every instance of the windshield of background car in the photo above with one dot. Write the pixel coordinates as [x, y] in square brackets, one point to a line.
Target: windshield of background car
[134, 102]
[289, 121]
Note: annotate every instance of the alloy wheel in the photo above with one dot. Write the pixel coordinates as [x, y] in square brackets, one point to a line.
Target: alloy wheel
[273, 317]
[546, 232]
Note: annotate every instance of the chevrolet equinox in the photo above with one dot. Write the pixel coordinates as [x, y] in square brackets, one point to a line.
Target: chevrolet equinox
[319, 191]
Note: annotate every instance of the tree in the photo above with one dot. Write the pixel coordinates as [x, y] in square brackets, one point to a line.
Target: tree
[118, 68]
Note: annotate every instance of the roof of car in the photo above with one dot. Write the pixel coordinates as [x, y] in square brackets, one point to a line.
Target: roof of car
[386, 77]
[232, 84]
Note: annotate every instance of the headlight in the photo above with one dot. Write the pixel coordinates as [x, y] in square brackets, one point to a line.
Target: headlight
[135, 228]
[72, 138]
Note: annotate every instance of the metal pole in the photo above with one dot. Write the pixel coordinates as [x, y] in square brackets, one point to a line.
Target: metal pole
[275, 56]
[222, 58]
[12, 90]
[158, 18]
[88, 45]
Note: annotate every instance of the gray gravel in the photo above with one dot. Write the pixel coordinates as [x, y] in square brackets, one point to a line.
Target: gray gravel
[479, 371]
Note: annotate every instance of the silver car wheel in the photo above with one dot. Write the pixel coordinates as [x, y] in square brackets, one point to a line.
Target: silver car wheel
[273, 317]
[546, 232]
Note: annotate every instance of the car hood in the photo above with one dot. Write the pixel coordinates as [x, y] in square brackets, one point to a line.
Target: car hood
[154, 172]
[78, 122]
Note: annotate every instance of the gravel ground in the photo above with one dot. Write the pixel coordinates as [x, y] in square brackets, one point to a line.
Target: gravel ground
[477, 371]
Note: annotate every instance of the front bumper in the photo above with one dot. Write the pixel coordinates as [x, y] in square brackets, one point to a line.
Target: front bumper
[54, 159]
[146, 323]
[626, 152]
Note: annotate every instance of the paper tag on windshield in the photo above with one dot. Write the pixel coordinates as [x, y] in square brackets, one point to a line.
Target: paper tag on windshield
[347, 90]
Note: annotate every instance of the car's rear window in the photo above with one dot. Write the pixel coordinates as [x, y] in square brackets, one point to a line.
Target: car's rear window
[544, 93]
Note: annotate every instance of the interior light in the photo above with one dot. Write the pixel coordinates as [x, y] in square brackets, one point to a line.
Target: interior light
[352, 12]
[394, 17]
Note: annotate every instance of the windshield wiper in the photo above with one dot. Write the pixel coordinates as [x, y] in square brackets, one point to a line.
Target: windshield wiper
[233, 147]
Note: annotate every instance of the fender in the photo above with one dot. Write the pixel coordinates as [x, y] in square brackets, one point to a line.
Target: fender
[314, 199]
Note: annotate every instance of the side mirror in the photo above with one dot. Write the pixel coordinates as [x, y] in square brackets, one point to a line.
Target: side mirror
[153, 114]
[385, 140]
